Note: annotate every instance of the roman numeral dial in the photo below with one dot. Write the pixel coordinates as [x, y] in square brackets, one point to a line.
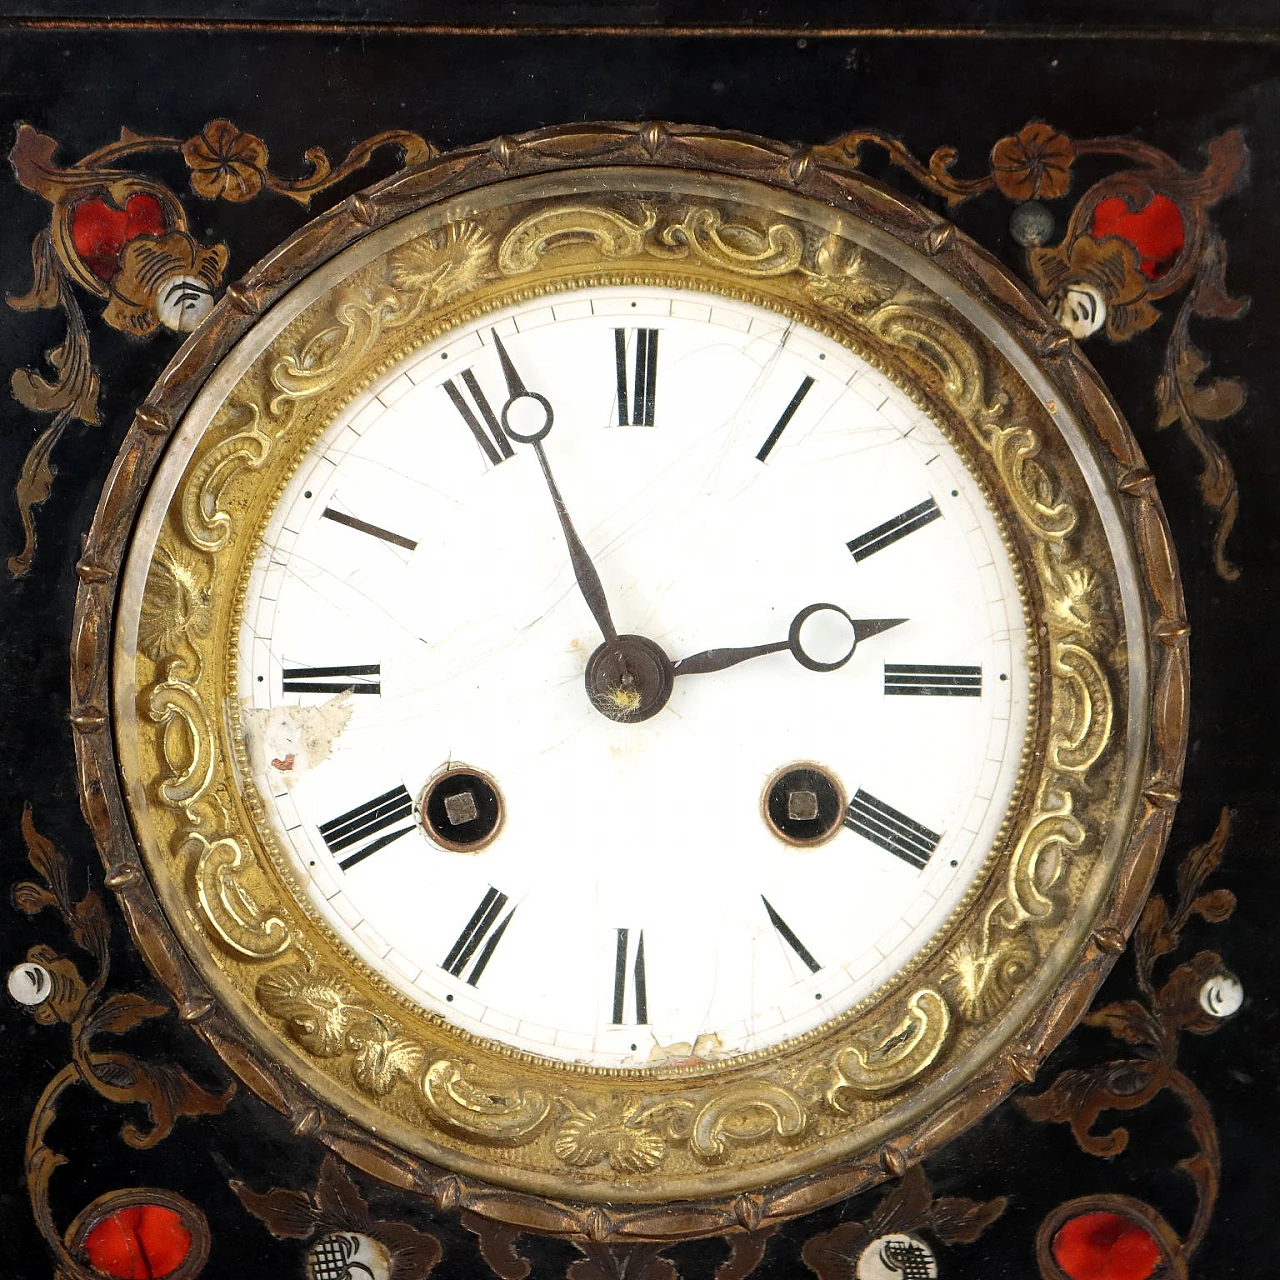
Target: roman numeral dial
[719, 516]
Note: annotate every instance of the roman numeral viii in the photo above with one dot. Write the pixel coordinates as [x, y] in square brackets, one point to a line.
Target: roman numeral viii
[878, 822]
[906, 680]
[483, 933]
[371, 826]
[639, 413]
[885, 535]
[332, 679]
[640, 997]
[481, 420]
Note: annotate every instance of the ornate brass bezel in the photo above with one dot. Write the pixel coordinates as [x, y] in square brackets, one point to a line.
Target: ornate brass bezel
[686, 1151]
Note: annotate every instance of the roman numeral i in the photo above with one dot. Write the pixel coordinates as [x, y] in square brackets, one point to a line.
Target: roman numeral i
[639, 412]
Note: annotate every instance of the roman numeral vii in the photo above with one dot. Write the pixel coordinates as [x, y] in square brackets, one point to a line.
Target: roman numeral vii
[482, 934]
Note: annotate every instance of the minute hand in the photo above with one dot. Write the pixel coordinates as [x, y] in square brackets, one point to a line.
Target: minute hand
[710, 660]
[583, 570]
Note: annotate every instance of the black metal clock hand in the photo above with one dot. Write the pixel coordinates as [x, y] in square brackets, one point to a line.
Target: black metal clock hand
[588, 579]
[719, 659]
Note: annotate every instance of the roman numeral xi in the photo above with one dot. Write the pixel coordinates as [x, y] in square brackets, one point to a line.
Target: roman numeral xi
[369, 827]
[635, 409]
[481, 420]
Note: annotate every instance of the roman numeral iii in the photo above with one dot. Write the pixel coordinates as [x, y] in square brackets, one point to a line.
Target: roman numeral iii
[906, 680]
[885, 535]
[880, 823]
[483, 933]
[481, 420]
[376, 822]
[640, 997]
[332, 679]
[639, 412]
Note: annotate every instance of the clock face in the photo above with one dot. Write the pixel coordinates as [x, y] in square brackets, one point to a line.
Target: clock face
[679, 767]
[631, 684]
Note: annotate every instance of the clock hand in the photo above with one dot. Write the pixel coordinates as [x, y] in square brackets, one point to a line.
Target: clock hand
[583, 570]
[719, 659]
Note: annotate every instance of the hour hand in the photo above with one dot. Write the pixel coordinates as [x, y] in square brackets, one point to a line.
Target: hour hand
[856, 629]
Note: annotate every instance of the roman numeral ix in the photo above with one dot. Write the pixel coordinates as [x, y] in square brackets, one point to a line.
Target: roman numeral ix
[483, 933]
[640, 998]
[332, 679]
[789, 937]
[884, 535]
[371, 822]
[640, 411]
[878, 822]
[904, 679]
[482, 420]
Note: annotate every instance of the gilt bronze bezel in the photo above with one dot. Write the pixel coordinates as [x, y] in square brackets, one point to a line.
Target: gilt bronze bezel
[765, 1138]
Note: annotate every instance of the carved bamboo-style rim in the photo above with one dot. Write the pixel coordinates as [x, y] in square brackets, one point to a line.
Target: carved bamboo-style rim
[965, 277]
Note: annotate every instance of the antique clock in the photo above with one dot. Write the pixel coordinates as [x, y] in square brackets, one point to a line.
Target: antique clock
[630, 680]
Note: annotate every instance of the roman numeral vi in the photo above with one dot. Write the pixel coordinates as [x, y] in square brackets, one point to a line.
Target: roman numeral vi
[640, 997]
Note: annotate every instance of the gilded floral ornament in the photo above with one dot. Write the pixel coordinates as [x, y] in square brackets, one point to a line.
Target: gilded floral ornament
[1033, 164]
[226, 163]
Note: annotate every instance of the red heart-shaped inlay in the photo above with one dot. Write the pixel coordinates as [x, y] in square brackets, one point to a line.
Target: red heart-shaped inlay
[99, 232]
[1155, 230]
[142, 1242]
[1105, 1246]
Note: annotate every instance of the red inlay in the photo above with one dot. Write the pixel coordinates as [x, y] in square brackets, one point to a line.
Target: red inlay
[142, 1242]
[1155, 230]
[99, 232]
[1105, 1246]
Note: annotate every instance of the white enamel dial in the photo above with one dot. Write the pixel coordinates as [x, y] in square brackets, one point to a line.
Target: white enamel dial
[634, 906]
